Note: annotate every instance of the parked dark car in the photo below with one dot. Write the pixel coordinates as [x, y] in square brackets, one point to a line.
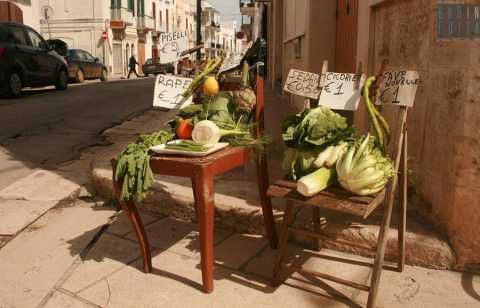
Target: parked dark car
[59, 46]
[26, 60]
[82, 66]
[153, 66]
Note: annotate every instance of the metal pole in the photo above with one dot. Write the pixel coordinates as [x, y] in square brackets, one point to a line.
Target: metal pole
[199, 27]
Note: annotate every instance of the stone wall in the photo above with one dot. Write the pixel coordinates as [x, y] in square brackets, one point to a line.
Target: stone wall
[444, 125]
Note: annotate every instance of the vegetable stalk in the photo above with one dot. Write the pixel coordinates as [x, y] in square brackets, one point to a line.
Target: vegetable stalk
[209, 67]
[379, 123]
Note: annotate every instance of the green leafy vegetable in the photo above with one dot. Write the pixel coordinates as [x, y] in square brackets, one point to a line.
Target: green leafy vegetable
[315, 182]
[133, 166]
[364, 170]
[315, 127]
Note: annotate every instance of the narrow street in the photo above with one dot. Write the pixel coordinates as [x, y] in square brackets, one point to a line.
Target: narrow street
[47, 127]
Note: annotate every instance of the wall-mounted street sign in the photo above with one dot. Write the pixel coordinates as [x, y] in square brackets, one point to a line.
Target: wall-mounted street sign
[458, 21]
[168, 92]
[303, 83]
[398, 88]
[172, 45]
[341, 91]
[231, 62]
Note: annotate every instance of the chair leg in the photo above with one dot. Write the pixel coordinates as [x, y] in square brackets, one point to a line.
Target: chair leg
[403, 206]
[263, 183]
[288, 218]
[316, 227]
[131, 211]
[204, 197]
[379, 257]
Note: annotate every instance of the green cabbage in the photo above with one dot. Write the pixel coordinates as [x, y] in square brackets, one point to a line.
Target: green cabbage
[315, 127]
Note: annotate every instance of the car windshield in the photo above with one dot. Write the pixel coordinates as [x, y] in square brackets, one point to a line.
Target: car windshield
[149, 61]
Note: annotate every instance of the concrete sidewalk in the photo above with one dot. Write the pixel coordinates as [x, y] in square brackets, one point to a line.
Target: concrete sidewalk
[109, 274]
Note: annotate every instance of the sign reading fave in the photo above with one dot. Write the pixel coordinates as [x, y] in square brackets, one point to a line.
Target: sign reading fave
[398, 88]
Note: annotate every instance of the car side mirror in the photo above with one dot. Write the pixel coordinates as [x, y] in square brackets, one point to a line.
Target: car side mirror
[96, 59]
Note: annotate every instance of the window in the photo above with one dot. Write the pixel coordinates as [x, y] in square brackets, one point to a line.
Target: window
[3, 34]
[87, 56]
[36, 40]
[141, 8]
[154, 10]
[131, 5]
[160, 18]
[116, 4]
[166, 19]
[17, 35]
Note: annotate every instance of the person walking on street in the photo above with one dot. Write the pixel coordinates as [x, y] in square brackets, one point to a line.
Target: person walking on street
[132, 66]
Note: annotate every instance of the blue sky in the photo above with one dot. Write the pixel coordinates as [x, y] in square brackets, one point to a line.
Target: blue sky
[229, 9]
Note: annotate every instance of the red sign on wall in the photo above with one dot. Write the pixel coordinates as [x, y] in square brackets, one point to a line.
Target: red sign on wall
[104, 35]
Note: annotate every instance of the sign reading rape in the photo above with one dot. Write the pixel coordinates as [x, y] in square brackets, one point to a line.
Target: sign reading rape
[172, 45]
[398, 88]
[168, 92]
[303, 83]
[342, 91]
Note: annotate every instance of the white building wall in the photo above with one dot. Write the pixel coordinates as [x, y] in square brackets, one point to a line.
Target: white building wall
[80, 23]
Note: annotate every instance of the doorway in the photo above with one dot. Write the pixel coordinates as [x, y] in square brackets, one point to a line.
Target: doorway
[346, 36]
[117, 58]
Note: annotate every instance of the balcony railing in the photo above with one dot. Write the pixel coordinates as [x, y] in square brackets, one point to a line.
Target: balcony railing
[145, 23]
[122, 14]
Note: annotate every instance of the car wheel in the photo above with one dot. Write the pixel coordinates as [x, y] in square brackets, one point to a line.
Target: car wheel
[62, 80]
[104, 76]
[80, 76]
[14, 85]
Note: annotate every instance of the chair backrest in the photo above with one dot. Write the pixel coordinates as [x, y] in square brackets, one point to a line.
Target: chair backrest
[398, 129]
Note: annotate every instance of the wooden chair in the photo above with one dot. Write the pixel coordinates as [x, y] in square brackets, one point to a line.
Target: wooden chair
[338, 200]
[202, 172]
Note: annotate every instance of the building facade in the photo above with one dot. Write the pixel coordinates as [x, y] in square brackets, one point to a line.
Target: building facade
[363, 35]
[210, 31]
[113, 30]
[228, 39]
[21, 11]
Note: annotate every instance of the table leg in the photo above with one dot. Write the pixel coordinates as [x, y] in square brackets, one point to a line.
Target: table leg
[131, 211]
[204, 197]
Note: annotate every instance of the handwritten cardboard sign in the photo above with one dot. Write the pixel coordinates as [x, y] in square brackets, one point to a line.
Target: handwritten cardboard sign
[341, 91]
[231, 62]
[168, 92]
[172, 45]
[398, 88]
[302, 83]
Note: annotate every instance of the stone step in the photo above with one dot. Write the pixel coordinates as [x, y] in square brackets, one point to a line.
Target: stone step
[238, 207]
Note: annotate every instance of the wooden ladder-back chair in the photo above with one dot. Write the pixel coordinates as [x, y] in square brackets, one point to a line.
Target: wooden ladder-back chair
[202, 172]
[338, 200]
